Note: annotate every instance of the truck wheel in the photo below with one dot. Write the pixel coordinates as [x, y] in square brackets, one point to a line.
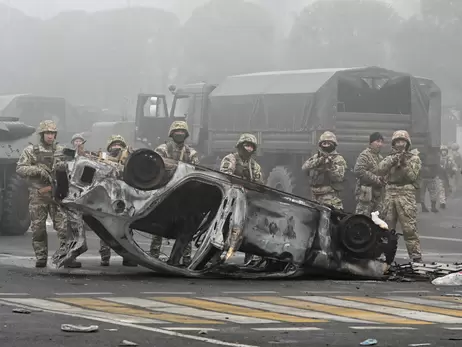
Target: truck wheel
[282, 178]
[15, 218]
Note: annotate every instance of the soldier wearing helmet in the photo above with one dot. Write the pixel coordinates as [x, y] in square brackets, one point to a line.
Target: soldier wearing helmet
[36, 165]
[369, 185]
[118, 152]
[176, 149]
[458, 160]
[447, 170]
[327, 170]
[242, 164]
[402, 171]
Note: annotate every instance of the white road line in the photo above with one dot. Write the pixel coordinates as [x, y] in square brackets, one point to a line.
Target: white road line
[188, 311]
[57, 307]
[88, 293]
[169, 293]
[453, 328]
[14, 294]
[412, 314]
[252, 292]
[190, 329]
[382, 328]
[323, 292]
[155, 330]
[440, 238]
[409, 291]
[288, 329]
[283, 309]
[427, 302]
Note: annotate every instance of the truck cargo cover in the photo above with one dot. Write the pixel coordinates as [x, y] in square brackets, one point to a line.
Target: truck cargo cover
[302, 100]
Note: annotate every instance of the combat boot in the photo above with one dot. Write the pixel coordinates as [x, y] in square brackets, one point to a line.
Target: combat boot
[73, 265]
[424, 208]
[104, 262]
[40, 263]
[434, 209]
[126, 262]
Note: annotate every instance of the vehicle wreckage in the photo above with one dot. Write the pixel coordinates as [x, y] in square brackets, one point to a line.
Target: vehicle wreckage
[221, 214]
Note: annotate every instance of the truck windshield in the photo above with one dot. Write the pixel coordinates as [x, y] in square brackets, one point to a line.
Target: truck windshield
[181, 106]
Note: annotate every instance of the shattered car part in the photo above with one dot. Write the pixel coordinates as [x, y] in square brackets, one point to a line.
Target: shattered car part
[222, 214]
[424, 271]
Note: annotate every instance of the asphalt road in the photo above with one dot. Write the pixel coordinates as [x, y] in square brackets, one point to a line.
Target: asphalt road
[138, 305]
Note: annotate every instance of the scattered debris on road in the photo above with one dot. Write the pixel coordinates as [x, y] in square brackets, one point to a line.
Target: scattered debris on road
[202, 332]
[128, 343]
[79, 328]
[111, 329]
[21, 310]
[419, 344]
[454, 279]
[369, 342]
[422, 271]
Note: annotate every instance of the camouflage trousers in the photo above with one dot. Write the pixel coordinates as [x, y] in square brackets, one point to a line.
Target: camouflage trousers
[332, 198]
[156, 245]
[443, 190]
[431, 185]
[400, 205]
[40, 206]
[366, 205]
[104, 251]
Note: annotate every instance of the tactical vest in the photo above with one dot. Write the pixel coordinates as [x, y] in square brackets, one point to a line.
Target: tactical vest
[244, 170]
[183, 154]
[44, 157]
[398, 177]
[320, 178]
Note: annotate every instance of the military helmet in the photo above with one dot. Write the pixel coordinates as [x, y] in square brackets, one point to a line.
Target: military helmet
[401, 135]
[250, 138]
[115, 138]
[77, 136]
[178, 125]
[328, 136]
[444, 148]
[455, 147]
[47, 126]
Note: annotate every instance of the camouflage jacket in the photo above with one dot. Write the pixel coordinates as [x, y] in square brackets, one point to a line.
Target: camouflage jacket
[234, 164]
[402, 170]
[183, 153]
[448, 166]
[327, 172]
[367, 167]
[37, 162]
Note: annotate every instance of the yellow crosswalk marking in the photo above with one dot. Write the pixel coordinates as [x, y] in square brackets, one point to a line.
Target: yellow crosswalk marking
[111, 307]
[336, 310]
[232, 309]
[399, 304]
[446, 298]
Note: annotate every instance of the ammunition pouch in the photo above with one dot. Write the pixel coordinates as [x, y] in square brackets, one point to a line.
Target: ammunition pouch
[365, 193]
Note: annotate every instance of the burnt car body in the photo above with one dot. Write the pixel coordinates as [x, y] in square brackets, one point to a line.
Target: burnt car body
[222, 214]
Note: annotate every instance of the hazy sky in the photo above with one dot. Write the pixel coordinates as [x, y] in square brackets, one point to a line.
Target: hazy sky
[183, 8]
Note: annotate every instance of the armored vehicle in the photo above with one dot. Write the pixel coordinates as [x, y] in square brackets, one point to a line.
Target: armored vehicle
[14, 194]
[288, 110]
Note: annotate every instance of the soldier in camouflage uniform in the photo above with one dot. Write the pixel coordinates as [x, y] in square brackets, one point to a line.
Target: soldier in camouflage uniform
[458, 160]
[402, 169]
[448, 168]
[36, 165]
[428, 182]
[327, 170]
[118, 152]
[369, 185]
[242, 164]
[176, 149]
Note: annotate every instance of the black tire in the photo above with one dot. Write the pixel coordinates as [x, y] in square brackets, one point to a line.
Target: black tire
[15, 217]
[282, 178]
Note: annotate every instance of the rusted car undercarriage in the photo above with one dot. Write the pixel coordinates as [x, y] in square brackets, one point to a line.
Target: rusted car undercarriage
[221, 214]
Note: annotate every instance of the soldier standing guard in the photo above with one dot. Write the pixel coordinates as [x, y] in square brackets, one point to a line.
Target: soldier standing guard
[242, 164]
[176, 149]
[447, 170]
[428, 182]
[458, 160]
[118, 152]
[402, 169]
[327, 170]
[369, 185]
[36, 165]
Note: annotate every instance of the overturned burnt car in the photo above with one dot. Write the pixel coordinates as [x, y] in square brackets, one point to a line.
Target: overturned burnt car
[221, 214]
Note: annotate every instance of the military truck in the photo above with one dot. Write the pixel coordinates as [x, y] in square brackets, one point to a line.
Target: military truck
[288, 110]
[14, 194]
